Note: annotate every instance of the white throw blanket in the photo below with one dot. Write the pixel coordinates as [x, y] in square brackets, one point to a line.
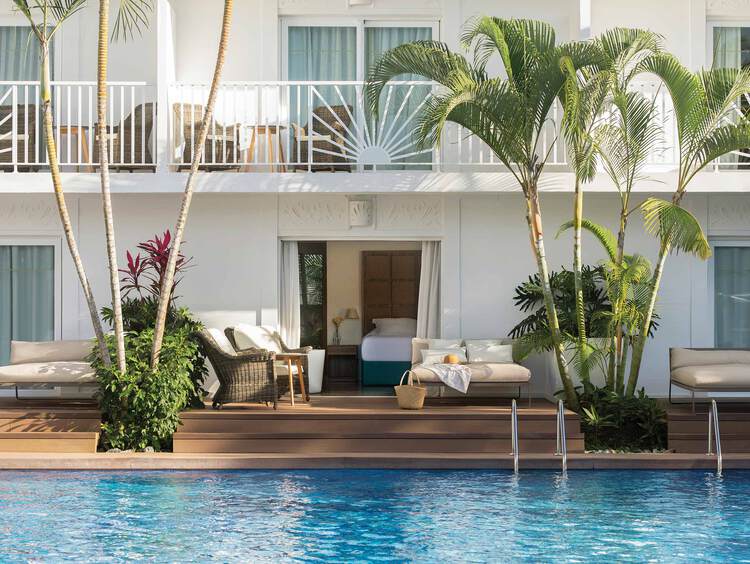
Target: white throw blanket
[457, 376]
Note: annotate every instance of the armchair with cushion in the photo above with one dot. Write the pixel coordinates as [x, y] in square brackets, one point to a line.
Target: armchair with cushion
[221, 151]
[244, 376]
[22, 149]
[130, 140]
[245, 336]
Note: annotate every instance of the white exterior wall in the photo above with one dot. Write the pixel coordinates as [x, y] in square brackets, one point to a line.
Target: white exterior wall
[234, 239]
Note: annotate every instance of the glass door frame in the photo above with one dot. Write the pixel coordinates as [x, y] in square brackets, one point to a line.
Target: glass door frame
[56, 244]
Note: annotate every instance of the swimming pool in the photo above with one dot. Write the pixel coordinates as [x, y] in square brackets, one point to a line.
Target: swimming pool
[362, 515]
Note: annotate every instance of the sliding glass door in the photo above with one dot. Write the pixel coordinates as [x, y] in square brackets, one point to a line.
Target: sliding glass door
[27, 295]
[731, 280]
[348, 51]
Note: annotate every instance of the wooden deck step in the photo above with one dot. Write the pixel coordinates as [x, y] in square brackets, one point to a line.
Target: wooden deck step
[55, 441]
[688, 431]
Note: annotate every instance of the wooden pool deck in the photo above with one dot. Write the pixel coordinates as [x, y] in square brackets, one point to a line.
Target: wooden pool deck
[352, 432]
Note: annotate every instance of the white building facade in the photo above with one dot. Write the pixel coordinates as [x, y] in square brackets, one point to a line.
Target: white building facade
[266, 183]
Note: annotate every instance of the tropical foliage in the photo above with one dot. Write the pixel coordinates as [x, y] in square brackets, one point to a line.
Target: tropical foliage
[140, 407]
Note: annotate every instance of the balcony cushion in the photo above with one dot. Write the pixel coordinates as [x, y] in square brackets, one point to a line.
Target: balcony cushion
[22, 352]
[63, 372]
[483, 373]
[714, 376]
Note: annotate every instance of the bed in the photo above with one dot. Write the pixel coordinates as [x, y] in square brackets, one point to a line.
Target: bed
[386, 353]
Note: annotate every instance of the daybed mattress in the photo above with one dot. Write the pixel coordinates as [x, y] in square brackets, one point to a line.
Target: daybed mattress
[386, 348]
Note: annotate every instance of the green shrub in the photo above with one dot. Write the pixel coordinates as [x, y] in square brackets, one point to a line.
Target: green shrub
[627, 423]
[141, 408]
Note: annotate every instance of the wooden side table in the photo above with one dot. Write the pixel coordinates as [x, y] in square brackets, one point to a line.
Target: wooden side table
[295, 358]
[342, 367]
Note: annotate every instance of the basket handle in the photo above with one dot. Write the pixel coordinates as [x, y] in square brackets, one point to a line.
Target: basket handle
[410, 380]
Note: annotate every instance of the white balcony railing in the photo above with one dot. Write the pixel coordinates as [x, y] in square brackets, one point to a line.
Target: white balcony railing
[271, 127]
[312, 126]
[131, 126]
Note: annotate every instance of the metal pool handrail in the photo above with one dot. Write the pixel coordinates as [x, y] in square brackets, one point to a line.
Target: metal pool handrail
[714, 432]
[562, 446]
[514, 434]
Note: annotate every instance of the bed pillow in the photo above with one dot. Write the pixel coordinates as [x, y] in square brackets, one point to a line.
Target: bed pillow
[440, 344]
[396, 326]
[436, 356]
[494, 353]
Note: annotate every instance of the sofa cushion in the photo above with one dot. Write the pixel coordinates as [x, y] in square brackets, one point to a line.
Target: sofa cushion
[489, 352]
[22, 352]
[693, 357]
[436, 356]
[256, 336]
[483, 372]
[64, 372]
[221, 340]
[714, 376]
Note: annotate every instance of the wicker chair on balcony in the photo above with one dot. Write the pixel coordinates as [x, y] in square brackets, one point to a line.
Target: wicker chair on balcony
[25, 141]
[244, 376]
[131, 141]
[329, 131]
[221, 151]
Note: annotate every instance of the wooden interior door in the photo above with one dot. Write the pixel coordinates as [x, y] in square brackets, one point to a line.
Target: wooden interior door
[390, 285]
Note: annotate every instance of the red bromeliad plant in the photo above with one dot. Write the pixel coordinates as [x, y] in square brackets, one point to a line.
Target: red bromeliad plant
[145, 274]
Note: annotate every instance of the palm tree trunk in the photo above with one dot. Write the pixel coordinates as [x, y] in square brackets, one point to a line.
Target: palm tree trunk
[165, 295]
[578, 279]
[534, 218]
[642, 337]
[62, 207]
[102, 140]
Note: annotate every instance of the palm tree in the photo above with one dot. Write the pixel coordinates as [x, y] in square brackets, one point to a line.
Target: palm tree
[509, 114]
[165, 296]
[45, 18]
[707, 128]
[621, 139]
[131, 15]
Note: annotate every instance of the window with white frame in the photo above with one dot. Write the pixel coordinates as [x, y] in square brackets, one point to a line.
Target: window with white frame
[731, 293]
[29, 292]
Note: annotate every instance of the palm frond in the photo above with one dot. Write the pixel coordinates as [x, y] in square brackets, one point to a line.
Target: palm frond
[132, 17]
[606, 238]
[675, 227]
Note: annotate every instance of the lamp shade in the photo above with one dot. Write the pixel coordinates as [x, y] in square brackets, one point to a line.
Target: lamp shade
[352, 313]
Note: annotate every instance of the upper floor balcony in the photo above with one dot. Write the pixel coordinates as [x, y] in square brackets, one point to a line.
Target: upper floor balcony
[267, 127]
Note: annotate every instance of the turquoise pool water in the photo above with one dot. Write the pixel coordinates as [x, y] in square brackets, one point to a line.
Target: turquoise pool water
[352, 515]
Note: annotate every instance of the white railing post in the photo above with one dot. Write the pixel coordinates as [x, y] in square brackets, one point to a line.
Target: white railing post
[14, 127]
[162, 152]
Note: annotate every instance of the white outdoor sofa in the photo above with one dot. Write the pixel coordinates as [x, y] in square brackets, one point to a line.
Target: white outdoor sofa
[48, 363]
[709, 370]
[493, 378]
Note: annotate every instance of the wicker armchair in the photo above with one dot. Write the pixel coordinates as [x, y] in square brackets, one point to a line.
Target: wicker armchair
[244, 376]
[282, 348]
[130, 140]
[329, 129]
[221, 151]
[25, 142]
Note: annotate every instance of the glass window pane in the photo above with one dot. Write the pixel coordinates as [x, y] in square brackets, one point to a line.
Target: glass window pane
[27, 294]
[20, 54]
[399, 104]
[732, 296]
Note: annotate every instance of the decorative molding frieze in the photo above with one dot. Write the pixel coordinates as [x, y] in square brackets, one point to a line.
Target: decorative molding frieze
[728, 214]
[319, 212]
[27, 213]
[729, 8]
[409, 213]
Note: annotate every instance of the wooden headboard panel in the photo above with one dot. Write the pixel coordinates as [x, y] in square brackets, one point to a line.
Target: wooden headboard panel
[390, 285]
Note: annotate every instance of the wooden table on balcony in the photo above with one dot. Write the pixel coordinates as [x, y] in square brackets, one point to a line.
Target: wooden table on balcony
[78, 132]
[270, 132]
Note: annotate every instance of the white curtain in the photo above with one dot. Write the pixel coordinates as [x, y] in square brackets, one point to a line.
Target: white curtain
[731, 292]
[19, 54]
[289, 317]
[428, 307]
[27, 295]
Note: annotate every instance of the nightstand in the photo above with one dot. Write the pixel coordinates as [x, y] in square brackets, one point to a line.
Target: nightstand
[342, 368]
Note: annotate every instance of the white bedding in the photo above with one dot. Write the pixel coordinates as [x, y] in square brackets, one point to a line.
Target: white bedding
[386, 348]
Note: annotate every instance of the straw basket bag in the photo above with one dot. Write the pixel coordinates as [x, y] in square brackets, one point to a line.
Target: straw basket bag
[410, 396]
